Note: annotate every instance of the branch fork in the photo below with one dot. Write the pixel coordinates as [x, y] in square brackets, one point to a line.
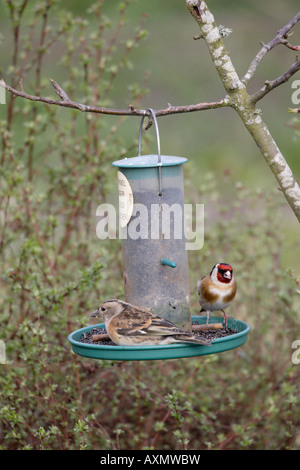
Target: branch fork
[244, 103]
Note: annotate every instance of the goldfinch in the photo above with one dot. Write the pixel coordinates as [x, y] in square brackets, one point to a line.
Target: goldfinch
[217, 290]
[128, 325]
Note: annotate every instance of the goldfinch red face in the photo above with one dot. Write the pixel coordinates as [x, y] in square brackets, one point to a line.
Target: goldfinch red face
[222, 272]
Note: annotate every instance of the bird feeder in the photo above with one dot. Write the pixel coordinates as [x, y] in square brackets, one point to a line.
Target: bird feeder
[155, 259]
[151, 215]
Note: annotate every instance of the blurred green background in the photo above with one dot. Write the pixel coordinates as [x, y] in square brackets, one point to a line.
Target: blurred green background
[181, 72]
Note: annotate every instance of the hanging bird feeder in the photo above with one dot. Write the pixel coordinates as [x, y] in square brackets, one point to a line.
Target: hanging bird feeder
[155, 258]
[151, 211]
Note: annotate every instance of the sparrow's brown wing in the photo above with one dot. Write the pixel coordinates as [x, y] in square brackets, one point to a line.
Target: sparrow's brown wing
[160, 326]
[139, 321]
[135, 321]
[131, 321]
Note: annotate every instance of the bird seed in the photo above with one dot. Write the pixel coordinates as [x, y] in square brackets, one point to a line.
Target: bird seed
[211, 335]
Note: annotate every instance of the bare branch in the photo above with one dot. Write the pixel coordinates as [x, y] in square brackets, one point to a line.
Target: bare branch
[61, 93]
[21, 85]
[66, 102]
[237, 96]
[270, 85]
[290, 46]
[280, 38]
[243, 103]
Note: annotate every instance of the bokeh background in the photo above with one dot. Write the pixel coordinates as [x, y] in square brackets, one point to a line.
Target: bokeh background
[56, 169]
[179, 71]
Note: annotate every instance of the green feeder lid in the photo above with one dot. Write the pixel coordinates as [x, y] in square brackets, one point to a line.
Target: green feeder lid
[149, 161]
[170, 351]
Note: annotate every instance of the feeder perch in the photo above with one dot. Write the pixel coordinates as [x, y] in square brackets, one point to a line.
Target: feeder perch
[170, 351]
[155, 259]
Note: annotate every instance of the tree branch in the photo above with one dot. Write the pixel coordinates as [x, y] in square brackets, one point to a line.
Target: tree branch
[243, 103]
[280, 38]
[237, 96]
[270, 85]
[66, 102]
[214, 41]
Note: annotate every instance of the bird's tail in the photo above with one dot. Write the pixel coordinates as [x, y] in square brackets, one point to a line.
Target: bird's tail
[192, 339]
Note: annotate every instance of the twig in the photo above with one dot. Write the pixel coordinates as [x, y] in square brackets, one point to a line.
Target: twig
[270, 85]
[290, 46]
[280, 38]
[21, 84]
[210, 326]
[61, 93]
[66, 102]
[98, 337]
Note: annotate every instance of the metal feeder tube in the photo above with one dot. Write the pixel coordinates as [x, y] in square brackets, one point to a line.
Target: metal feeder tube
[151, 211]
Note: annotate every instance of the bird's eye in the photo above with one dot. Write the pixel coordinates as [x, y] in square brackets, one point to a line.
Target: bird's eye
[103, 309]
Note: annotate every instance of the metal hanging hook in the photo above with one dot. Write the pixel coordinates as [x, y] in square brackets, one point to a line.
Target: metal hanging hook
[158, 145]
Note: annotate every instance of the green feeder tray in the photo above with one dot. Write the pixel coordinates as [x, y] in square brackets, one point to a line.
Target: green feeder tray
[155, 352]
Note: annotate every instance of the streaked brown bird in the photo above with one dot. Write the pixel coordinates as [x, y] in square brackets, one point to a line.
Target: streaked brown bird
[217, 290]
[129, 325]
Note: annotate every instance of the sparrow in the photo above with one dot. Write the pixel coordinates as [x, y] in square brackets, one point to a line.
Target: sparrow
[217, 290]
[128, 325]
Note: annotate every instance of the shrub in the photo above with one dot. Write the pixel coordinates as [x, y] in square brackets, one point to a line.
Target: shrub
[55, 170]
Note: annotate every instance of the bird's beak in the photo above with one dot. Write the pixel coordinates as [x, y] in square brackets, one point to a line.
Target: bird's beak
[94, 314]
[227, 275]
